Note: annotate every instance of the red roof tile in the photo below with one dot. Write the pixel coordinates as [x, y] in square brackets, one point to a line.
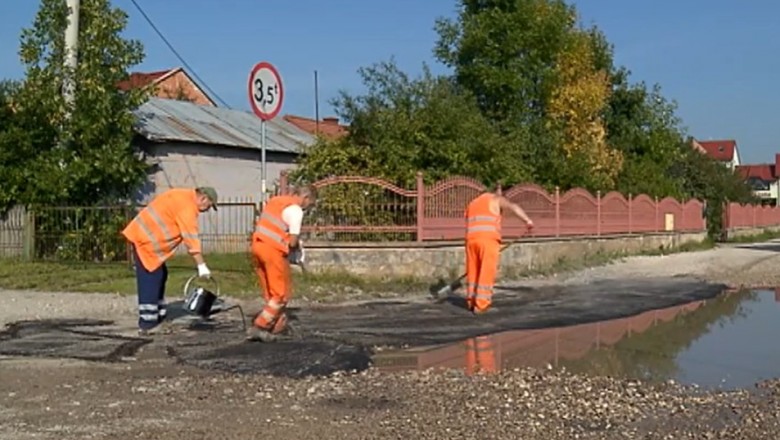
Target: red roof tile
[142, 79]
[722, 150]
[328, 127]
[763, 171]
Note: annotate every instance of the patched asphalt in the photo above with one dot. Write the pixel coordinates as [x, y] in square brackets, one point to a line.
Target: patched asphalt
[339, 338]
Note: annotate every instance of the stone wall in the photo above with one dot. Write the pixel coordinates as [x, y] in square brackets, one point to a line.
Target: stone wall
[447, 259]
[742, 232]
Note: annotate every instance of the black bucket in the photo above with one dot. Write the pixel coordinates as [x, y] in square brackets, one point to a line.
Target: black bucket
[199, 301]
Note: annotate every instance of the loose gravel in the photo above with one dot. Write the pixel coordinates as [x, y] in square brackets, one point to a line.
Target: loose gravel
[152, 396]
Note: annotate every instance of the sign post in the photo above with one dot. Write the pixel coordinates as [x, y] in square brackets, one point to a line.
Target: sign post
[266, 95]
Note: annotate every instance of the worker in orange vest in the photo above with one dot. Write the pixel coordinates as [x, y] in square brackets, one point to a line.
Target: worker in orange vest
[483, 240]
[168, 220]
[275, 239]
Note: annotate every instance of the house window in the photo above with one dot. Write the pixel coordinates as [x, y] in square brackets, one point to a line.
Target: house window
[758, 184]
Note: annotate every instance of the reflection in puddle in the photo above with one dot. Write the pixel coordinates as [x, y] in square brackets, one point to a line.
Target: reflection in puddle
[722, 342]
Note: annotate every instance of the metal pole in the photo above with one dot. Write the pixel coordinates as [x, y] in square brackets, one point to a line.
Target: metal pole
[316, 105]
[71, 50]
[263, 171]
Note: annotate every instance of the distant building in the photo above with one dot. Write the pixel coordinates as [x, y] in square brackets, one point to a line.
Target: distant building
[173, 84]
[192, 145]
[328, 128]
[724, 151]
[763, 179]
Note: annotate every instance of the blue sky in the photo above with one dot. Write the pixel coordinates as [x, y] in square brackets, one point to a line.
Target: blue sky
[717, 58]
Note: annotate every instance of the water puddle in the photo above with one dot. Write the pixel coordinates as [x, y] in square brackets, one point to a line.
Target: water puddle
[725, 342]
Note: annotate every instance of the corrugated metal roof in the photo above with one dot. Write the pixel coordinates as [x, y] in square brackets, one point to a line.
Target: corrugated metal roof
[171, 120]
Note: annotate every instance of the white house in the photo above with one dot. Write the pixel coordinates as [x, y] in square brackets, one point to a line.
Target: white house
[724, 151]
[763, 179]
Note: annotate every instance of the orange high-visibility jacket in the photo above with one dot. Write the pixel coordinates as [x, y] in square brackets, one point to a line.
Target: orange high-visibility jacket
[481, 223]
[170, 218]
[270, 228]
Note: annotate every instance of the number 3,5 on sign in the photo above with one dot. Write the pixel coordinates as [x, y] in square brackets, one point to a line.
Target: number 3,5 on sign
[266, 93]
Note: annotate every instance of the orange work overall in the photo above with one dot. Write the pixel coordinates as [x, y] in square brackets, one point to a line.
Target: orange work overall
[480, 355]
[270, 247]
[483, 239]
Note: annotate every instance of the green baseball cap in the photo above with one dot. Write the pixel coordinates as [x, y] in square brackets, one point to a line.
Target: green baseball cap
[210, 194]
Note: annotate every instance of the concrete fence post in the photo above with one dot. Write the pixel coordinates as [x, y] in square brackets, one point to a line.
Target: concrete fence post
[598, 213]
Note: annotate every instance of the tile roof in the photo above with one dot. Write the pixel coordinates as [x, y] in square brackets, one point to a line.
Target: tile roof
[764, 171]
[142, 79]
[328, 127]
[180, 121]
[722, 150]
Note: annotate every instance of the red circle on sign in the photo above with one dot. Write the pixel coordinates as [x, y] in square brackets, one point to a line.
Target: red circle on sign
[257, 110]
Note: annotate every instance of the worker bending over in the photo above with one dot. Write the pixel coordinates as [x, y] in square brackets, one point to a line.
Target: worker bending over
[276, 234]
[483, 239]
[170, 219]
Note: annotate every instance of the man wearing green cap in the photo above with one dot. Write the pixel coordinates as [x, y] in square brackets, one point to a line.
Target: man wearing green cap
[168, 220]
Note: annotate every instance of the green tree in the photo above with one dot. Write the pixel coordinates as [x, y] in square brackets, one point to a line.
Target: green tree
[403, 125]
[533, 70]
[504, 52]
[85, 158]
[703, 178]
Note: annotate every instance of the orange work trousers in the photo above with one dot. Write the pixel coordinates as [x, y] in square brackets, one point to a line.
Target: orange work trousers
[481, 268]
[273, 274]
[480, 356]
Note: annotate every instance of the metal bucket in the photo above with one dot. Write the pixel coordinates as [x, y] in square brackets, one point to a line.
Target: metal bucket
[199, 300]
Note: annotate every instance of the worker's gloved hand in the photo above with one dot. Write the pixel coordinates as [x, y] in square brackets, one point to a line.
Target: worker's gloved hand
[203, 271]
[297, 255]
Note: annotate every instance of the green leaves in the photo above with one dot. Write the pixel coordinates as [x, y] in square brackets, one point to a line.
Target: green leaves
[533, 97]
[86, 158]
[403, 125]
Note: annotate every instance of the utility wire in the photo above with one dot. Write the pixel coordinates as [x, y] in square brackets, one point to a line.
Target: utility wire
[176, 53]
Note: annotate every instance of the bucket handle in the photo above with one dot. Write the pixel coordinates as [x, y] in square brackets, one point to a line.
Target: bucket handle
[190, 279]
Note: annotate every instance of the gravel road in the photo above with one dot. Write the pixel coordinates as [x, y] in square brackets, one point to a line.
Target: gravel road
[149, 394]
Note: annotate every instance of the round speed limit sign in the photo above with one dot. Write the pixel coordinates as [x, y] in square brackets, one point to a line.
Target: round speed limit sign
[265, 91]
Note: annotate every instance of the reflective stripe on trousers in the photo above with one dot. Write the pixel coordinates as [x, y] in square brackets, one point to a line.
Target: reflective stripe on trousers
[474, 290]
[268, 316]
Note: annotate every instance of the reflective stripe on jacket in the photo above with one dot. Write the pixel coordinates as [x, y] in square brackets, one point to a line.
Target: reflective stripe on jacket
[270, 228]
[169, 219]
[481, 223]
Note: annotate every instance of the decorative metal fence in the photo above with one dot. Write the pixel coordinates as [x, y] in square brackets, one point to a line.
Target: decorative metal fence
[363, 209]
[358, 209]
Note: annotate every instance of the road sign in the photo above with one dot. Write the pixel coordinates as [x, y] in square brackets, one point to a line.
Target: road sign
[266, 93]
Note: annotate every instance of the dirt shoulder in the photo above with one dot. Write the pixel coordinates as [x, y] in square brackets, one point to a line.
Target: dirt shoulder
[210, 385]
